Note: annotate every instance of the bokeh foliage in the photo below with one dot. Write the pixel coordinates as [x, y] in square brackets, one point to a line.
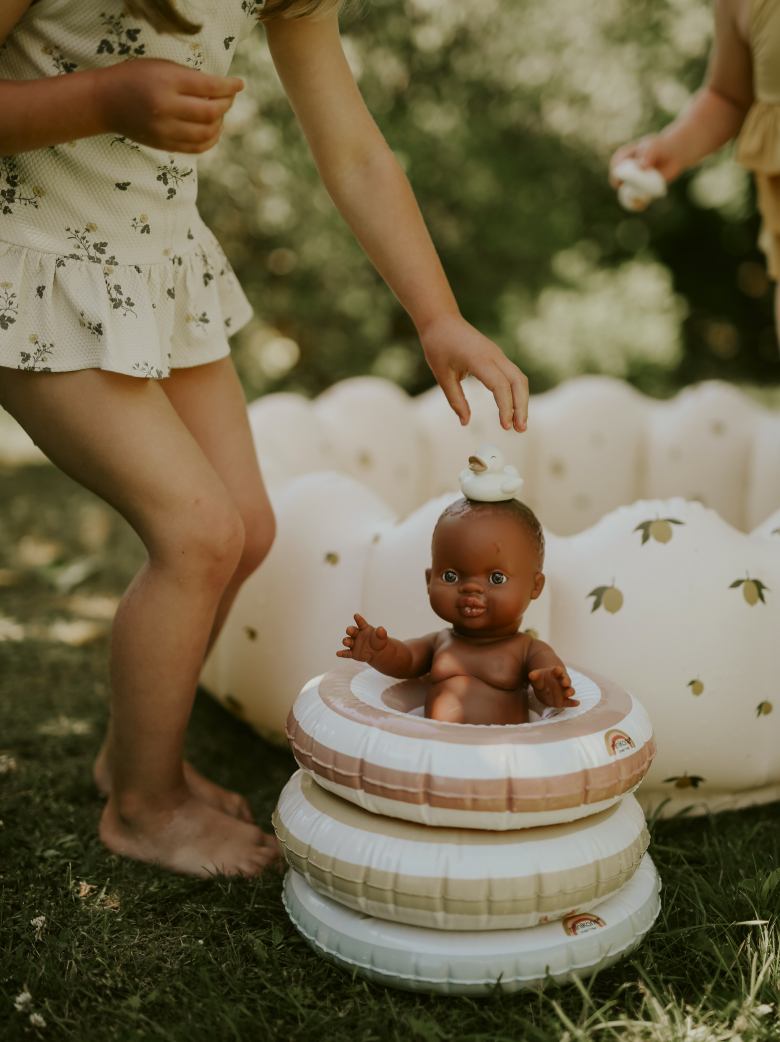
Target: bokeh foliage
[504, 114]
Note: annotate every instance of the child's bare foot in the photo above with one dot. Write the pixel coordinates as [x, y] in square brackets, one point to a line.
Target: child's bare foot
[230, 803]
[187, 836]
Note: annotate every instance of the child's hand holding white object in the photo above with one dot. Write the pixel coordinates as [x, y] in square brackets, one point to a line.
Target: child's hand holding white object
[638, 185]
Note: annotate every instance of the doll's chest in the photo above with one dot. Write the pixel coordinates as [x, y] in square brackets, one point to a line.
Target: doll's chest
[499, 664]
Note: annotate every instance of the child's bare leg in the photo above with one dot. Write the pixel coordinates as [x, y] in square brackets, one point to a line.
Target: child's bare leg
[120, 437]
[210, 402]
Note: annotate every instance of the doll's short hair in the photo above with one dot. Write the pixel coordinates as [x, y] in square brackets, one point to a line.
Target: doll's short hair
[521, 512]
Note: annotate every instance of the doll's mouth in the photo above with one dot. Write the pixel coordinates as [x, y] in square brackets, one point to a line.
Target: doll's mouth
[472, 608]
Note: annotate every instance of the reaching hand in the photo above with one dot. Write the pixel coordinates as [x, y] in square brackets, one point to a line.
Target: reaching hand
[454, 349]
[363, 641]
[552, 686]
[656, 150]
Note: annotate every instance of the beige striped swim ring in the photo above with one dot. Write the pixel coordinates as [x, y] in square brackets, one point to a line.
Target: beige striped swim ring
[360, 734]
[456, 879]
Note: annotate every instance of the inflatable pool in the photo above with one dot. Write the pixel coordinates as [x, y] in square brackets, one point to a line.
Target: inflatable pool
[359, 540]
[475, 962]
[357, 732]
[456, 879]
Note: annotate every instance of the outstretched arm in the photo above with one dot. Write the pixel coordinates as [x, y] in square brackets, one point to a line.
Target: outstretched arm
[548, 677]
[368, 186]
[717, 111]
[395, 658]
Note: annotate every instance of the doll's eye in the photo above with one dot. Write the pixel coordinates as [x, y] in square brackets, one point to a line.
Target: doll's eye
[497, 578]
[450, 577]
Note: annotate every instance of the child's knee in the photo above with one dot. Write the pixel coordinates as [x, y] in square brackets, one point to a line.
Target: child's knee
[206, 543]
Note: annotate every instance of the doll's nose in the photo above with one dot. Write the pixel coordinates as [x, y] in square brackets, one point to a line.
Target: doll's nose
[471, 586]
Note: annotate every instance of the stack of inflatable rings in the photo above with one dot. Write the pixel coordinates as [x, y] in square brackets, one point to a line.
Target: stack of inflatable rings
[447, 857]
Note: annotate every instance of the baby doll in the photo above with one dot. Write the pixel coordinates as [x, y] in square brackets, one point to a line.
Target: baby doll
[486, 570]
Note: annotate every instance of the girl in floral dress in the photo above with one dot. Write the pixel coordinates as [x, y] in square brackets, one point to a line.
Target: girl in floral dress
[741, 96]
[108, 277]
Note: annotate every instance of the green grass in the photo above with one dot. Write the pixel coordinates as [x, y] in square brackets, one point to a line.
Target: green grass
[146, 955]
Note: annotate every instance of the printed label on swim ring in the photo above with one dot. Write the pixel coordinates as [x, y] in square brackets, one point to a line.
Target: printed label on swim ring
[579, 923]
[618, 742]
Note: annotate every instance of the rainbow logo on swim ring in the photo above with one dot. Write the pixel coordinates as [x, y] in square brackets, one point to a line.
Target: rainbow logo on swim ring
[618, 742]
[581, 922]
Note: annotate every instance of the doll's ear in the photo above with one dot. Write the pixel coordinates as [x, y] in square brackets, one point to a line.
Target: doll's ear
[428, 579]
[539, 581]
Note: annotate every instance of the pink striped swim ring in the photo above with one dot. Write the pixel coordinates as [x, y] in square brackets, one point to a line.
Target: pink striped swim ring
[359, 734]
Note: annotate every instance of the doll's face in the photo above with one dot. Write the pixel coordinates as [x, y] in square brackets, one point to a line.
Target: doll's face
[485, 573]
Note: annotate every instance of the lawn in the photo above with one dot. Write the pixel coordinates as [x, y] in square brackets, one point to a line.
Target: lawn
[125, 951]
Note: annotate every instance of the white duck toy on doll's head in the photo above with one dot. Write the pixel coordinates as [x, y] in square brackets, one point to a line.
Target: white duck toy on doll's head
[488, 477]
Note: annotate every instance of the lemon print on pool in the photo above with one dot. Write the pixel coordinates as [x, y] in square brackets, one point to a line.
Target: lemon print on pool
[660, 529]
[752, 590]
[686, 781]
[764, 708]
[608, 597]
[696, 686]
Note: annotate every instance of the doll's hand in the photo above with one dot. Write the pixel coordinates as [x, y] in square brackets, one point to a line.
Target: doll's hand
[363, 641]
[453, 349]
[165, 105]
[656, 150]
[552, 686]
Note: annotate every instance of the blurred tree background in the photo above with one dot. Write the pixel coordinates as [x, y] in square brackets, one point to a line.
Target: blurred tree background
[504, 114]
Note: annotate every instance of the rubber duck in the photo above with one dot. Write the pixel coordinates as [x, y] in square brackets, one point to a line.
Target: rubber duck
[640, 185]
[488, 477]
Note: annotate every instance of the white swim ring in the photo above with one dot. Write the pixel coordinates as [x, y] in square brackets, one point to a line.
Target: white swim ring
[456, 879]
[472, 963]
[355, 731]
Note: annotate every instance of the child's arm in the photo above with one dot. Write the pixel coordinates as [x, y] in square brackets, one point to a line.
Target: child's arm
[717, 112]
[394, 658]
[548, 677]
[157, 103]
[370, 189]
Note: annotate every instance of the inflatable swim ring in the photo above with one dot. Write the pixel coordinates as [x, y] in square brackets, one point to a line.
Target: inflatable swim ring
[456, 879]
[471, 963]
[361, 735]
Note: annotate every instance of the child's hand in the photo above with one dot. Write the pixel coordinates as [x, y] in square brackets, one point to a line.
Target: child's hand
[363, 641]
[656, 150]
[454, 349]
[165, 105]
[552, 686]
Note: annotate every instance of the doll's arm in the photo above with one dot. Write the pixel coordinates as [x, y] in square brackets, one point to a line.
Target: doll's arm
[716, 113]
[548, 676]
[394, 658]
[373, 195]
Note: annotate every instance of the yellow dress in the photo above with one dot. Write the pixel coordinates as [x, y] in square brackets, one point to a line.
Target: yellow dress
[758, 147]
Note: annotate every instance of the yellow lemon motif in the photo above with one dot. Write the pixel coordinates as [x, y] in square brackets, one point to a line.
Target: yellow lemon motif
[697, 687]
[661, 531]
[764, 708]
[683, 783]
[750, 591]
[612, 600]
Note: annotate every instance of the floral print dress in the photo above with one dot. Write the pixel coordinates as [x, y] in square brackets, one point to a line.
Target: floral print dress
[104, 260]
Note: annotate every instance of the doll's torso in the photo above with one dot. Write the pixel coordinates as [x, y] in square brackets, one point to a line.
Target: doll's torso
[484, 683]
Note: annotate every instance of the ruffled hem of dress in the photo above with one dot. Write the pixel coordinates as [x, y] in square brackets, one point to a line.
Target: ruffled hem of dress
[758, 146]
[59, 313]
